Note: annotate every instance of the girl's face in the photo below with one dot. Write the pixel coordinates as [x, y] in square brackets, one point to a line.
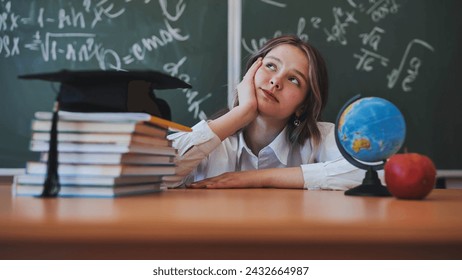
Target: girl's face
[282, 82]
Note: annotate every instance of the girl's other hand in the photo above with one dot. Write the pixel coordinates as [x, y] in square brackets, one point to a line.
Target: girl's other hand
[284, 178]
[244, 179]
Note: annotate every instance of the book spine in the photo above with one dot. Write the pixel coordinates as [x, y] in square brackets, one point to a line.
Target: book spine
[41, 146]
[101, 170]
[101, 127]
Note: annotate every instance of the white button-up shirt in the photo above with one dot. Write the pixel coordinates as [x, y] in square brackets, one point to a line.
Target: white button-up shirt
[201, 155]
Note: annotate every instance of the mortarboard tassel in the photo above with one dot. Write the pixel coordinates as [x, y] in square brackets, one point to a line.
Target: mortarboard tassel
[51, 186]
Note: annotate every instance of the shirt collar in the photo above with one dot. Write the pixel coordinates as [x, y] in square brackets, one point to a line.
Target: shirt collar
[242, 145]
[280, 146]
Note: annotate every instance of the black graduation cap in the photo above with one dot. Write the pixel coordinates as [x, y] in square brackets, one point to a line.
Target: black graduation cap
[103, 91]
[112, 91]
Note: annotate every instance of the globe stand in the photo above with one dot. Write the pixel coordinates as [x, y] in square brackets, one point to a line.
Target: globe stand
[371, 185]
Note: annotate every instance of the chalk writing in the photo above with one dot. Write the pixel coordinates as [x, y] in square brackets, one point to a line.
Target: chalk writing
[255, 44]
[315, 22]
[338, 31]
[78, 32]
[76, 19]
[78, 46]
[352, 3]
[368, 57]
[179, 10]
[100, 9]
[166, 35]
[414, 65]
[9, 46]
[372, 38]
[8, 19]
[377, 9]
[193, 97]
[148, 44]
[275, 3]
[84, 46]
[380, 9]
[343, 30]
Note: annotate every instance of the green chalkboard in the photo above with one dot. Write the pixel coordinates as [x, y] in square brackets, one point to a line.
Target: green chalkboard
[186, 39]
[408, 52]
[405, 51]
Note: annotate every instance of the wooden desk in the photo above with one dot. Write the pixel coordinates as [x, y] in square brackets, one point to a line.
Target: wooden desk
[232, 224]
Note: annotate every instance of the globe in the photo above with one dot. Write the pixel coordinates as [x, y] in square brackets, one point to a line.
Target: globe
[368, 131]
[371, 129]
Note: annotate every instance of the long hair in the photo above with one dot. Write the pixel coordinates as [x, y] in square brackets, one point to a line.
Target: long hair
[316, 97]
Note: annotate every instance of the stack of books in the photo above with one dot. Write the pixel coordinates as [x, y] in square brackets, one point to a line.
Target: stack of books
[100, 154]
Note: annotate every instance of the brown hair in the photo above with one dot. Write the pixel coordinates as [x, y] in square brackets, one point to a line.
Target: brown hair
[316, 98]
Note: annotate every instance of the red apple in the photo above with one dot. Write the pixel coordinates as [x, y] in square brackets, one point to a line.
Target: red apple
[410, 175]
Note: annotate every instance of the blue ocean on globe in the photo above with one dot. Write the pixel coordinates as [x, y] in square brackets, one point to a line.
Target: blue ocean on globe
[371, 129]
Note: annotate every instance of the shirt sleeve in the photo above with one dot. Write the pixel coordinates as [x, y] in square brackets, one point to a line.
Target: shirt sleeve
[336, 174]
[331, 171]
[193, 147]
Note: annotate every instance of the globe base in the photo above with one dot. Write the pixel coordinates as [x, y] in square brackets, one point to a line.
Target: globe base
[371, 186]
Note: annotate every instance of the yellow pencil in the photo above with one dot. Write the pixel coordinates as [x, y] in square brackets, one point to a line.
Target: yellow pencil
[169, 124]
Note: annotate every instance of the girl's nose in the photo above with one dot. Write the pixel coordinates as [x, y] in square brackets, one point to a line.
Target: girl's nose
[275, 83]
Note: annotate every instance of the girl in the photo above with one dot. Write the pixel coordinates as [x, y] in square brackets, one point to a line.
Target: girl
[272, 137]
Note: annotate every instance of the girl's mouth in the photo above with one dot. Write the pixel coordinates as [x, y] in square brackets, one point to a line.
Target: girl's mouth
[270, 95]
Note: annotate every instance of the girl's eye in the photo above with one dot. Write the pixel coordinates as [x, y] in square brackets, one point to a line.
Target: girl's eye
[271, 66]
[295, 81]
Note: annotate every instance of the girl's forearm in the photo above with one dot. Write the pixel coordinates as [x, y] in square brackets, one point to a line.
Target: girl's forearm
[232, 121]
[283, 178]
[290, 178]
